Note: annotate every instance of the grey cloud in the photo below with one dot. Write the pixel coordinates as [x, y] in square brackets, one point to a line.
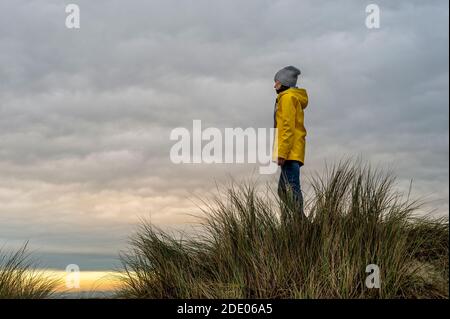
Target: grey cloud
[85, 115]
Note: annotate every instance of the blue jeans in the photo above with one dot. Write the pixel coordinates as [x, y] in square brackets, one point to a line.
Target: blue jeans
[289, 185]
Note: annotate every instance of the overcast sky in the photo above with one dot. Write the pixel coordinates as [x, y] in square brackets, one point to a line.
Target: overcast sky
[86, 114]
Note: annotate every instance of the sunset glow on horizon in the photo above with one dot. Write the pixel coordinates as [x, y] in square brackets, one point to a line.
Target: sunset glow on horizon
[89, 281]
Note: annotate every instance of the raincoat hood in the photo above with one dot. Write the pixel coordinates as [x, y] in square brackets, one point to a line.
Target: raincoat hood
[299, 93]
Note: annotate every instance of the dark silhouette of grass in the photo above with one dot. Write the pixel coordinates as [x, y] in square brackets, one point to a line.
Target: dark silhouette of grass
[355, 218]
[20, 279]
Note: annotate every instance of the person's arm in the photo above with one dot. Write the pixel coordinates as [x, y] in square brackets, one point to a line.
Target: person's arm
[286, 126]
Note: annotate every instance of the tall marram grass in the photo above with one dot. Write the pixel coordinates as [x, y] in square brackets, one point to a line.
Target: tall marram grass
[19, 278]
[355, 218]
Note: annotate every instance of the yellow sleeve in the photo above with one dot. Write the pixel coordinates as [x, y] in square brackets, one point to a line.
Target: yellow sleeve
[285, 125]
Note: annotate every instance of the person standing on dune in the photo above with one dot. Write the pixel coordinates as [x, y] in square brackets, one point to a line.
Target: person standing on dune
[290, 136]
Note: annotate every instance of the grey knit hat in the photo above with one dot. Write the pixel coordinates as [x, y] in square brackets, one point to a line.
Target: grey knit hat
[288, 76]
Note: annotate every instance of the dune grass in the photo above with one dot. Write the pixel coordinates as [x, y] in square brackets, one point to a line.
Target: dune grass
[20, 279]
[355, 218]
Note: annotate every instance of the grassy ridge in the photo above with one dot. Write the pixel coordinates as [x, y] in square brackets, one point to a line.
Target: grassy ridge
[355, 218]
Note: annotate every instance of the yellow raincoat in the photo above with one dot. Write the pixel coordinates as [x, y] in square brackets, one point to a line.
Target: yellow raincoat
[290, 134]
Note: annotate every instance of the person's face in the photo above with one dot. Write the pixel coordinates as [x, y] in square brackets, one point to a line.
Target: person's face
[277, 85]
